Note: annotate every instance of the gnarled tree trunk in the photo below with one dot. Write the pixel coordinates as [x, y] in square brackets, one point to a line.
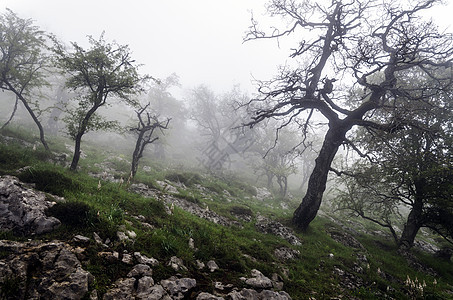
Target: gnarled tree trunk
[309, 207]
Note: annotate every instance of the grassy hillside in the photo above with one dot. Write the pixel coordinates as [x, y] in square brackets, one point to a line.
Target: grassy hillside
[335, 259]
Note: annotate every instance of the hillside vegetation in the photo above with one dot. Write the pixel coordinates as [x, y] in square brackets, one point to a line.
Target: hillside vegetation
[170, 211]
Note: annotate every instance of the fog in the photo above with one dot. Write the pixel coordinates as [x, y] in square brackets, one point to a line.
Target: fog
[201, 42]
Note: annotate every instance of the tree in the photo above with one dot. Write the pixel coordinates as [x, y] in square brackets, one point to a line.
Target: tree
[103, 72]
[166, 105]
[349, 66]
[23, 58]
[408, 168]
[410, 174]
[147, 124]
[218, 123]
[276, 159]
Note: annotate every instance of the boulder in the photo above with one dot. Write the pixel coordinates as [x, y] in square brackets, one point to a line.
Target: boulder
[22, 209]
[258, 280]
[43, 270]
[176, 288]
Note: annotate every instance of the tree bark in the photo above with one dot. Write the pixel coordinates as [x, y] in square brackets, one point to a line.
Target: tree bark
[78, 139]
[414, 219]
[309, 207]
[37, 122]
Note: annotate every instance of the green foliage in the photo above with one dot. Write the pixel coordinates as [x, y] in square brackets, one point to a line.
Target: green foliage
[74, 213]
[54, 181]
[22, 46]
[187, 178]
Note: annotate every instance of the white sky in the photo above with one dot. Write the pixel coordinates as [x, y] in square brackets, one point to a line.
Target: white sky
[199, 40]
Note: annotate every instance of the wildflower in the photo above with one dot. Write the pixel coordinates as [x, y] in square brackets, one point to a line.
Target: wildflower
[99, 185]
[435, 282]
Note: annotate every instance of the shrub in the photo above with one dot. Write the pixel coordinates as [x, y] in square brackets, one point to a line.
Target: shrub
[73, 213]
[49, 181]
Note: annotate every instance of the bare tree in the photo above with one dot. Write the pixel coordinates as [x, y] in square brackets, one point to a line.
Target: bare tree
[147, 124]
[347, 67]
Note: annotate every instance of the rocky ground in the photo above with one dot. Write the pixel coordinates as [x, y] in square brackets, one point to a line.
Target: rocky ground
[55, 269]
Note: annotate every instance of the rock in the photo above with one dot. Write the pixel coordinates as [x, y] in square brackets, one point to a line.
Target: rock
[123, 289]
[191, 243]
[122, 236]
[259, 280]
[81, 240]
[177, 264]
[176, 288]
[276, 228]
[200, 264]
[142, 259]
[346, 239]
[131, 234]
[207, 296]
[144, 286]
[285, 253]
[94, 295]
[44, 270]
[248, 294]
[266, 294]
[263, 193]
[167, 187]
[212, 266]
[127, 259]
[97, 238]
[444, 253]
[22, 209]
[109, 256]
[156, 292]
[140, 270]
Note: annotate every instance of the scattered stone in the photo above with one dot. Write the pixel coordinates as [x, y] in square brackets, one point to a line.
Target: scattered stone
[248, 294]
[285, 253]
[124, 288]
[140, 270]
[207, 296]
[22, 209]
[131, 234]
[259, 280]
[168, 188]
[277, 282]
[263, 193]
[346, 239]
[176, 288]
[144, 285]
[127, 259]
[177, 264]
[212, 266]
[109, 256]
[200, 264]
[142, 259]
[80, 239]
[98, 239]
[276, 228]
[122, 236]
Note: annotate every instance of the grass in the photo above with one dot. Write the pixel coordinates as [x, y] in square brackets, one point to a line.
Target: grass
[92, 205]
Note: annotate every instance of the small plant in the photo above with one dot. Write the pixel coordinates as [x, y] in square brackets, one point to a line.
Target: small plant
[415, 288]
